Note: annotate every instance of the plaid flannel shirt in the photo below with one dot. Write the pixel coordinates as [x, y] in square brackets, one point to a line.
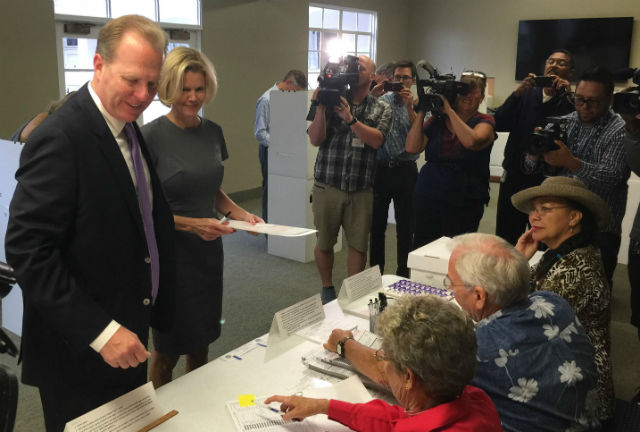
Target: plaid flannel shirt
[343, 165]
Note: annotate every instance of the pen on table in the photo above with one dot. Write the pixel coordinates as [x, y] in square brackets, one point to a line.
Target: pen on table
[272, 409]
[225, 217]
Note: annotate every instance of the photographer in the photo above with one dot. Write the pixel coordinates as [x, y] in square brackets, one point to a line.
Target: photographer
[347, 135]
[384, 73]
[453, 186]
[527, 108]
[396, 173]
[593, 153]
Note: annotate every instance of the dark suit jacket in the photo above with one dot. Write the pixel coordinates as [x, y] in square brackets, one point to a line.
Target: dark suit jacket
[76, 241]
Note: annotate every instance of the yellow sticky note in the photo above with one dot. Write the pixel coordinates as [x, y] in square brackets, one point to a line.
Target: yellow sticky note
[246, 400]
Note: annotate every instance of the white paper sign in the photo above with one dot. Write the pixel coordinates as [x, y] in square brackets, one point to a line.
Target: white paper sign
[128, 413]
[299, 316]
[361, 284]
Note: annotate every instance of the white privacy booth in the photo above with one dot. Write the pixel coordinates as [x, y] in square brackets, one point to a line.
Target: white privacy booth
[291, 162]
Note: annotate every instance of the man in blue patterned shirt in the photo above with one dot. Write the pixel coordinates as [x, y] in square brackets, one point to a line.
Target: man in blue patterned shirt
[594, 153]
[396, 174]
[348, 136]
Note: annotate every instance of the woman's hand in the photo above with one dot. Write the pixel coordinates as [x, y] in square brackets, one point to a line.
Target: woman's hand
[336, 336]
[527, 245]
[298, 407]
[206, 228]
[252, 219]
[446, 106]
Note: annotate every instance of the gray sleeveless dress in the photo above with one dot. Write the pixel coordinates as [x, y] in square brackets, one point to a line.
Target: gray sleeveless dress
[189, 164]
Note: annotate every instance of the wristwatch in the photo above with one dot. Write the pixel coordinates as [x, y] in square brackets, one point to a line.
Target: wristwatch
[352, 122]
[340, 346]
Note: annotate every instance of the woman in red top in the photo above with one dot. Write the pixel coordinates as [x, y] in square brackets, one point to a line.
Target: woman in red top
[429, 350]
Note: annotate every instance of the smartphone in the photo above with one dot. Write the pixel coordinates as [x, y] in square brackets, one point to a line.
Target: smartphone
[543, 81]
[394, 86]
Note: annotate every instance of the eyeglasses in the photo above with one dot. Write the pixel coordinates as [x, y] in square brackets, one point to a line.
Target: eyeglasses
[448, 283]
[589, 102]
[379, 355]
[402, 78]
[544, 210]
[559, 62]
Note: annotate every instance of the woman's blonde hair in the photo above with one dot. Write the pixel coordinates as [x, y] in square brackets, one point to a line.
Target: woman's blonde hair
[178, 62]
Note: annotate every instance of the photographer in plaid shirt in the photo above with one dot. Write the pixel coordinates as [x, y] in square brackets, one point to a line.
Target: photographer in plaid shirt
[348, 136]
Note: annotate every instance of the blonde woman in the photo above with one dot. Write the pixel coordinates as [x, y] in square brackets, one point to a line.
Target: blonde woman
[188, 152]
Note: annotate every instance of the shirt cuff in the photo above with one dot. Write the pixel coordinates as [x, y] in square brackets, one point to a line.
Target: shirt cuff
[102, 339]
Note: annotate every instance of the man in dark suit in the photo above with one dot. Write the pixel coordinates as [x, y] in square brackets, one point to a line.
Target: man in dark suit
[90, 234]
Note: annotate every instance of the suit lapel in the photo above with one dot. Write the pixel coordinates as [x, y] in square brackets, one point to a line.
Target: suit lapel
[112, 154]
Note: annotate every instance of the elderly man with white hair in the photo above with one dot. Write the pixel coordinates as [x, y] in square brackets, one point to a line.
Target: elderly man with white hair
[534, 359]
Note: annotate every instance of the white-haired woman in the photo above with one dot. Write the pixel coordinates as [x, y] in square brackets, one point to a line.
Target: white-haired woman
[428, 355]
[188, 152]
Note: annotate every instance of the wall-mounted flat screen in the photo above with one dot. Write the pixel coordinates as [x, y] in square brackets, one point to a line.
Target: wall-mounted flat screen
[593, 41]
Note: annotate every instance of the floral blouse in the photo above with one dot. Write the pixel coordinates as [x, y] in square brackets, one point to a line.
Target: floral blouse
[535, 361]
[579, 278]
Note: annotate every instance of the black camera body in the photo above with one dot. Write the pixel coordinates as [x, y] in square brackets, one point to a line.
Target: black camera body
[626, 102]
[393, 86]
[432, 87]
[336, 78]
[543, 140]
[543, 81]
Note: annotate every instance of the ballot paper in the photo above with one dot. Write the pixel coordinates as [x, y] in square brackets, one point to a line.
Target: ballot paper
[259, 418]
[271, 229]
[131, 412]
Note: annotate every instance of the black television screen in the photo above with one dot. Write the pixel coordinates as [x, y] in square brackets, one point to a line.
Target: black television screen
[592, 41]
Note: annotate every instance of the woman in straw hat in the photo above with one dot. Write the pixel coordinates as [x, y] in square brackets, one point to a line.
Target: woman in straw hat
[566, 216]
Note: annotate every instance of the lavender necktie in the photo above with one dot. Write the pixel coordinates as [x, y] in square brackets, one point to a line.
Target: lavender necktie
[145, 206]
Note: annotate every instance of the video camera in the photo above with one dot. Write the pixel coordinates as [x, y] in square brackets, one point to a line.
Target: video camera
[336, 78]
[435, 84]
[627, 102]
[543, 140]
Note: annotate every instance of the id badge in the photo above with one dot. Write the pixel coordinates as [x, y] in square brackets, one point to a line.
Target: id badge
[356, 143]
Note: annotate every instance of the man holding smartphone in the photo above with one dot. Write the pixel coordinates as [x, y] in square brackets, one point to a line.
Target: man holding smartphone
[396, 172]
[535, 99]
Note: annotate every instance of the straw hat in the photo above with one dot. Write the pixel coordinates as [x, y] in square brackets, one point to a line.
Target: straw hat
[564, 187]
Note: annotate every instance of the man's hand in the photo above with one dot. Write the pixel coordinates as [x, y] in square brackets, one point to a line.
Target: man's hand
[526, 84]
[562, 157]
[344, 110]
[406, 98]
[378, 90]
[124, 350]
[560, 83]
[336, 336]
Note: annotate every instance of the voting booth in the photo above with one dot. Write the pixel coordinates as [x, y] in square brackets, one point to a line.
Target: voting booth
[291, 162]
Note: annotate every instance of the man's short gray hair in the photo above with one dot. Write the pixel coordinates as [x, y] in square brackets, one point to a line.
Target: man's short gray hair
[490, 262]
[433, 338]
[386, 69]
